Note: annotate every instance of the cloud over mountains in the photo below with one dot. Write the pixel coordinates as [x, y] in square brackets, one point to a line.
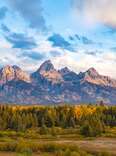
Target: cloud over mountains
[18, 40]
[31, 11]
[94, 11]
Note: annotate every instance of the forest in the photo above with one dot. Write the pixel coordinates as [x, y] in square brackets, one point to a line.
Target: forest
[91, 119]
[20, 125]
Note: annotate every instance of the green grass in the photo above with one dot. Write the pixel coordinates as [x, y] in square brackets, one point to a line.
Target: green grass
[66, 142]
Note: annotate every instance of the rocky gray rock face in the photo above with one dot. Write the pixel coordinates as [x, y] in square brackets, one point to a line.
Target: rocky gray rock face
[50, 86]
[9, 73]
[47, 72]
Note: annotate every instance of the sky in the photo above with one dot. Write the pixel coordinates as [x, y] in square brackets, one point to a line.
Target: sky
[79, 34]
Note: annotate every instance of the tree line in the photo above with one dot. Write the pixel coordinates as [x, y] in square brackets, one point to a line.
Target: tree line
[91, 120]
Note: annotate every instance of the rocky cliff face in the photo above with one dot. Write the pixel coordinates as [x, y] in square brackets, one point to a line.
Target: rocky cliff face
[50, 86]
[48, 72]
[9, 73]
[94, 77]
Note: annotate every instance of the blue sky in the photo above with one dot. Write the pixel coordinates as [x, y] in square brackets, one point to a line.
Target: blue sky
[76, 33]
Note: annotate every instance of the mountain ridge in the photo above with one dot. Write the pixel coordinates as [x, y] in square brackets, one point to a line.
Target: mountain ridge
[48, 85]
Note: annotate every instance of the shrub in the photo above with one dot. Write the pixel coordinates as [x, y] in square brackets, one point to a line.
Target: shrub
[104, 154]
[67, 152]
[86, 130]
[44, 130]
[26, 152]
[22, 146]
[7, 146]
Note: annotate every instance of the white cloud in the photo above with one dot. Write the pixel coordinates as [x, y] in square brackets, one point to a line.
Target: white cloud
[104, 63]
[96, 11]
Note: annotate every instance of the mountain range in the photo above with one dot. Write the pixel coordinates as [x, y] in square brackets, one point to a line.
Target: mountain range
[50, 86]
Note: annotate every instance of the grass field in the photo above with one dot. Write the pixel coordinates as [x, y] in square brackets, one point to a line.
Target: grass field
[91, 146]
[49, 145]
[16, 154]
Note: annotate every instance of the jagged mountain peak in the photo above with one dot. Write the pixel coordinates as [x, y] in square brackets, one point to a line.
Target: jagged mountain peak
[46, 66]
[10, 68]
[64, 70]
[92, 72]
[47, 72]
[6, 68]
[9, 73]
[68, 75]
[6, 74]
[15, 67]
[93, 77]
